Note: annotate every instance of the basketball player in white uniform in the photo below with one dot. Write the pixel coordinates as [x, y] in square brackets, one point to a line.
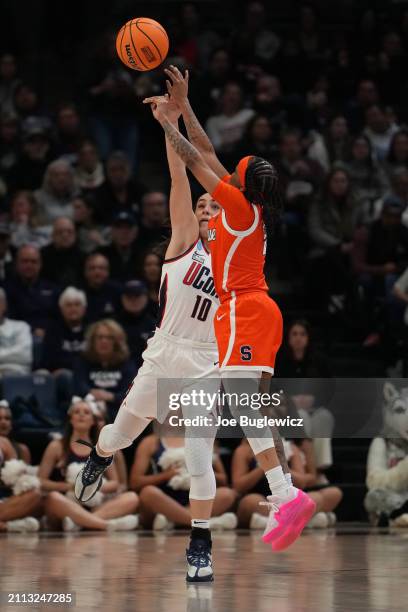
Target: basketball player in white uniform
[183, 347]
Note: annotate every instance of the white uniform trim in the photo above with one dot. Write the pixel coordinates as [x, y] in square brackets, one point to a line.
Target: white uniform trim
[223, 368]
[239, 236]
[232, 330]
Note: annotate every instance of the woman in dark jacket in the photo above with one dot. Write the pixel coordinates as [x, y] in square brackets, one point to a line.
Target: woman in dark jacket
[105, 369]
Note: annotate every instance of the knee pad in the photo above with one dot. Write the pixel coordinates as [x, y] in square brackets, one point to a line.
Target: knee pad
[204, 486]
[111, 440]
[198, 452]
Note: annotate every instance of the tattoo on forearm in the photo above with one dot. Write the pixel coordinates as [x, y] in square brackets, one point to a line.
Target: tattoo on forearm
[184, 149]
[195, 132]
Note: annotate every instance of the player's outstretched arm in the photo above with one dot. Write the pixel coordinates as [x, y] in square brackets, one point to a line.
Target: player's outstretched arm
[184, 224]
[239, 212]
[177, 87]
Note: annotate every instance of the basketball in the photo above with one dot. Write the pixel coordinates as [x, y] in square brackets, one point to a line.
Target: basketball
[142, 44]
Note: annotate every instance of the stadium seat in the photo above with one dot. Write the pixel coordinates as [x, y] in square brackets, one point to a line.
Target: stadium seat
[34, 397]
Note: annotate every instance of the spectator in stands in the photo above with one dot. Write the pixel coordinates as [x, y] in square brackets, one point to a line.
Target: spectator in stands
[31, 298]
[115, 514]
[36, 154]
[136, 319]
[367, 95]
[57, 191]
[9, 142]
[385, 256]
[6, 430]
[154, 216]
[64, 340]
[24, 222]
[302, 465]
[259, 138]
[398, 190]
[8, 82]
[309, 35]
[16, 343]
[269, 101]
[26, 102]
[89, 173]
[124, 250]
[152, 265]
[299, 176]
[333, 145]
[298, 358]
[69, 132]
[332, 220]
[119, 192]
[17, 512]
[367, 176]
[6, 253]
[90, 235]
[379, 129]
[253, 42]
[398, 152]
[102, 294]
[161, 505]
[62, 259]
[226, 128]
[105, 369]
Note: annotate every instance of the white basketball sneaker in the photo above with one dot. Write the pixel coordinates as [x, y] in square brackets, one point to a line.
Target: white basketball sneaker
[124, 523]
[227, 521]
[25, 525]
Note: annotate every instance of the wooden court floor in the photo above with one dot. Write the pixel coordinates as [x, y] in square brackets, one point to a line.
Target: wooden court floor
[352, 570]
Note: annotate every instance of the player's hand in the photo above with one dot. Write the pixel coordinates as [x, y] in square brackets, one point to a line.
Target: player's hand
[160, 107]
[177, 86]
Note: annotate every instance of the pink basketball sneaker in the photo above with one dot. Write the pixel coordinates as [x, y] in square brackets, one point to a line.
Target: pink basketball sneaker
[287, 519]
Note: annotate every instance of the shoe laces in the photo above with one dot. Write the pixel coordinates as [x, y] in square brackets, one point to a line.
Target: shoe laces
[271, 505]
[199, 553]
[92, 469]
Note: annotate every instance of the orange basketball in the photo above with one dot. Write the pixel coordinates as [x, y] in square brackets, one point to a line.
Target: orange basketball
[142, 44]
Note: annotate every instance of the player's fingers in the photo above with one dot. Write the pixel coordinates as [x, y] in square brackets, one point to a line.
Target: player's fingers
[171, 74]
[186, 76]
[169, 86]
[176, 73]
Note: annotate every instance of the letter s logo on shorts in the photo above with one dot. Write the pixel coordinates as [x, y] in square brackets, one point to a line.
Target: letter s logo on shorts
[246, 352]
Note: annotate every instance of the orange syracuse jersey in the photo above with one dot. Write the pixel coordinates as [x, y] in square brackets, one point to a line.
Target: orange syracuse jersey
[237, 242]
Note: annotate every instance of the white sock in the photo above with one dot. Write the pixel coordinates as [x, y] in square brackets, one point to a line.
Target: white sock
[200, 523]
[277, 481]
[288, 477]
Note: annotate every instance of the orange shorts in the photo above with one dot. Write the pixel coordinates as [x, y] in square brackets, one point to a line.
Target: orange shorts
[249, 329]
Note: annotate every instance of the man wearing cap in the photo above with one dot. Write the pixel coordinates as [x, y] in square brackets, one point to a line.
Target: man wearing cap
[6, 253]
[386, 253]
[135, 318]
[124, 251]
[36, 154]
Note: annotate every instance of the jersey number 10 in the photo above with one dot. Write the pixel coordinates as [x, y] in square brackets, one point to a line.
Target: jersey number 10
[201, 308]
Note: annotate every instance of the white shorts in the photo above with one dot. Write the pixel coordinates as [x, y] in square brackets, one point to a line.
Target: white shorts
[175, 359]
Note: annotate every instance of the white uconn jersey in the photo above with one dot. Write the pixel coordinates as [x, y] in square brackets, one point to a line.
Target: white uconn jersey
[188, 300]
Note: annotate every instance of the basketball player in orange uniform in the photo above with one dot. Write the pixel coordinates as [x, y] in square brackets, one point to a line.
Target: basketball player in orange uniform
[248, 323]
